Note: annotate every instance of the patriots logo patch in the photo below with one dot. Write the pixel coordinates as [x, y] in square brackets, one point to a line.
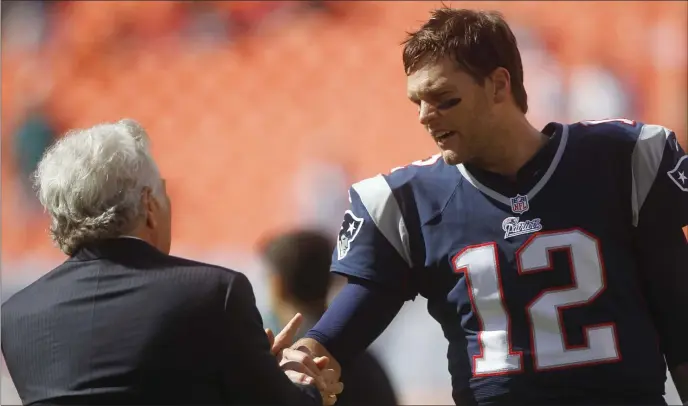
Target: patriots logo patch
[679, 175]
[351, 225]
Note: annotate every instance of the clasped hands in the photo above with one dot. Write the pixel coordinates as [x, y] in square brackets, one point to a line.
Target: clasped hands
[300, 366]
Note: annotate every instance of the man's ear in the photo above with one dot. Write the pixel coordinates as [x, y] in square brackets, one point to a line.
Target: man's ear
[501, 85]
[149, 204]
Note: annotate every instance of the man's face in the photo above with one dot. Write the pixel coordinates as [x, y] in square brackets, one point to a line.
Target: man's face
[453, 108]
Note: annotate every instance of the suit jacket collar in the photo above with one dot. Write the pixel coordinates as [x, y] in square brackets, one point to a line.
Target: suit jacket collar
[116, 248]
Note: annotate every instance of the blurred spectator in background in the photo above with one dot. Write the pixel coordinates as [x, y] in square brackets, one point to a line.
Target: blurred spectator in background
[545, 78]
[300, 280]
[204, 22]
[595, 91]
[24, 23]
[35, 133]
[321, 192]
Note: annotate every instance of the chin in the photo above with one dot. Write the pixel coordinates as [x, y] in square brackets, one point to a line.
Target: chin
[452, 158]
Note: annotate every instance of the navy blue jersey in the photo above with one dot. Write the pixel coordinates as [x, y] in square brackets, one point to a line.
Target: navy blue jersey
[545, 286]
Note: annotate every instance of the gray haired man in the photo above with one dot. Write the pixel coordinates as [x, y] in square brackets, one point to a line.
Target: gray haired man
[123, 322]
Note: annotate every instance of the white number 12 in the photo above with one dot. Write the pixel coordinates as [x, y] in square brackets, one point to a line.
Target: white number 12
[549, 348]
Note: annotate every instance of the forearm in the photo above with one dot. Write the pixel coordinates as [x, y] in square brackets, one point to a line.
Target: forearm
[357, 316]
[679, 374]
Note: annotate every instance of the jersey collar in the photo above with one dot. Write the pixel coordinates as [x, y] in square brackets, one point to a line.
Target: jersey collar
[547, 158]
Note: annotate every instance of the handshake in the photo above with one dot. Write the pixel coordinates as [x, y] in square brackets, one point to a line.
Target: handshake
[300, 366]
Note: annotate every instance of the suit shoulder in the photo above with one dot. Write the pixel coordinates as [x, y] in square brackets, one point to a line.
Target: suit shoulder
[9, 304]
[196, 266]
[19, 300]
[203, 283]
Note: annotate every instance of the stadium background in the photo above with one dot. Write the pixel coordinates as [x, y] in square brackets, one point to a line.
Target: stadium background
[262, 113]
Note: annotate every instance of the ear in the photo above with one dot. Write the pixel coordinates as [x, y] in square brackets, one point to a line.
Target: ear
[150, 206]
[501, 85]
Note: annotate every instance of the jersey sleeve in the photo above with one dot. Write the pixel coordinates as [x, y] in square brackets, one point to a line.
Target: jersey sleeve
[355, 318]
[663, 262]
[660, 210]
[373, 243]
[659, 180]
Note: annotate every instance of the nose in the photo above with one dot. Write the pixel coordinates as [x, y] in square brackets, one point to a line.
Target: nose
[426, 113]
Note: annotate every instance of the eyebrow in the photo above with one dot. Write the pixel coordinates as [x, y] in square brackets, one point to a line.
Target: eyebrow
[431, 93]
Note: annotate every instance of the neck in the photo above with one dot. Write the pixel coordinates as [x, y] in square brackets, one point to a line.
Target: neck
[143, 234]
[517, 142]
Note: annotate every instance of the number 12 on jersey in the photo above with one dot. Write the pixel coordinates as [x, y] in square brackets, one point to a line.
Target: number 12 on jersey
[549, 349]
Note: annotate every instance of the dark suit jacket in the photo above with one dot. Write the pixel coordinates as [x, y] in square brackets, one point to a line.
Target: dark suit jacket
[122, 323]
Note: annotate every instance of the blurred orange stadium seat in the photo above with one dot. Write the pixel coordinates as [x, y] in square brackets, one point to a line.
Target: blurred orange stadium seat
[231, 123]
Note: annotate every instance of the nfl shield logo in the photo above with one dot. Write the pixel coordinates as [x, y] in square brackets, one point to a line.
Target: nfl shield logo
[519, 204]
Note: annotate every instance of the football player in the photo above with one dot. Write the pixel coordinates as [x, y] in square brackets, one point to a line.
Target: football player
[554, 258]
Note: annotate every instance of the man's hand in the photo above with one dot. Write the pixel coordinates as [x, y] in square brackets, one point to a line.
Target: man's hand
[323, 359]
[317, 351]
[286, 336]
[300, 367]
[298, 363]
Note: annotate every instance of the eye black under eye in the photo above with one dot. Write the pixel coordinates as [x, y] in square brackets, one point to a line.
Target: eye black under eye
[449, 104]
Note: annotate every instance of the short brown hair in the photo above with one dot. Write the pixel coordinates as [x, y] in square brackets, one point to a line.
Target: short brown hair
[479, 42]
[302, 258]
